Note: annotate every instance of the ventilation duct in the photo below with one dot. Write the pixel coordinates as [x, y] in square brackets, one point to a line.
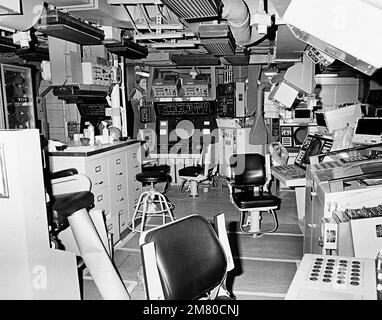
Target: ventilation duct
[217, 39]
[191, 9]
[347, 30]
[237, 14]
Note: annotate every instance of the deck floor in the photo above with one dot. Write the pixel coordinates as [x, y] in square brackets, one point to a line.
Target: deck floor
[264, 267]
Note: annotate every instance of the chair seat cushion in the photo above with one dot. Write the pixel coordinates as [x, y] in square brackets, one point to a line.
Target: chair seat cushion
[66, 204]
[191, 171]
[152, 176]
[247, 200]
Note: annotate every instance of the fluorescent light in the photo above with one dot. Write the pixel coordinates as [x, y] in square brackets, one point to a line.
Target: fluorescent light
[326, 75]
[143, 74]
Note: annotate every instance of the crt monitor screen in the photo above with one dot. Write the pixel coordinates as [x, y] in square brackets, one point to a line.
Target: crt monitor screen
[370, 126]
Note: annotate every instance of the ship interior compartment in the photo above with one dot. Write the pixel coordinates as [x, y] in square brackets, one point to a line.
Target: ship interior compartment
[190, 150]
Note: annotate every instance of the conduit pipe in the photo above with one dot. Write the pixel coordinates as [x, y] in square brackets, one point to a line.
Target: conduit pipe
[258, 133]
[237, 14]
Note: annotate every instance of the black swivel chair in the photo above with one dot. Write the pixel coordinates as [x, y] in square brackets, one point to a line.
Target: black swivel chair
[186, 259]
[249, 191]
[205, 170]
[72, 209]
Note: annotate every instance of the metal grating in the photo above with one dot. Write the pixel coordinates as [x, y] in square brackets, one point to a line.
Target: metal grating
[237, 60]
[217, 39]
[218, 47]
[194, 9]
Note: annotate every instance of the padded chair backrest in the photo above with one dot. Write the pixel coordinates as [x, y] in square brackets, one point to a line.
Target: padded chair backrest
[190, 258]
[248, 169]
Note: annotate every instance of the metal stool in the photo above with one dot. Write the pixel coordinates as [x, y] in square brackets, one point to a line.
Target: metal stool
[151, 202]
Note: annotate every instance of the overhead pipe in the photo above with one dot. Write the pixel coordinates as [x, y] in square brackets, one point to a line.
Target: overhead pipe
[237, 14]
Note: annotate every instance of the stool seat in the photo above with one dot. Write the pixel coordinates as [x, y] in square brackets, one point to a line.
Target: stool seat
[152, 176]
[163, 168]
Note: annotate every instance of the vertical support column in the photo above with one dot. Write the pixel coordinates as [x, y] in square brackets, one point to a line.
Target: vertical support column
[116, 100]
[123, 93]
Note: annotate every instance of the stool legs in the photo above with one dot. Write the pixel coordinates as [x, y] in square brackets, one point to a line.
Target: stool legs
[153, 203]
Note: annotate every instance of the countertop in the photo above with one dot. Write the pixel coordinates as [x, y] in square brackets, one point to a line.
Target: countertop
[77, 150]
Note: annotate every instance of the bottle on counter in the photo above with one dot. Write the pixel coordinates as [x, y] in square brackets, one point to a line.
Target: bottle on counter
[105, 132]
[89, 133]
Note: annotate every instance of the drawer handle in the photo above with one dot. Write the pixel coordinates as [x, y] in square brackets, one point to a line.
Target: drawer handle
[134, 155]
[136, 166]
[101, 182]
[135, 201]
[97, 168]
[118, 161]
[109, 227]
[99, 198]
[137, 189]
[123, 224]
[107, 216]
[119, 187]
[121, 199]
[120, 212]
[119, 174]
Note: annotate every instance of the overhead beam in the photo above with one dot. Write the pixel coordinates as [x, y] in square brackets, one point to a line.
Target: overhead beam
[167, 35]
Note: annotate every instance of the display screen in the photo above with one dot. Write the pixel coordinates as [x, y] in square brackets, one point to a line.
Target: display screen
[302, 113]
[369, 126]
[320, 118]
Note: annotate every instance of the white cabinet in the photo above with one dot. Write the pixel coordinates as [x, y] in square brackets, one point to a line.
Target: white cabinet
[112, 170]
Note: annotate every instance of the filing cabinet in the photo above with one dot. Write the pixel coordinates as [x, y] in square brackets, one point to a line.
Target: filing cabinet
[112, 170]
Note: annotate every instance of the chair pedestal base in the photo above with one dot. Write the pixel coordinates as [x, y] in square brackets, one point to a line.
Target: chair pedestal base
[194, 189]
[255, 219]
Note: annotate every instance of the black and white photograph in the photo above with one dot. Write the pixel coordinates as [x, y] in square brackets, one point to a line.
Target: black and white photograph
[192, 151]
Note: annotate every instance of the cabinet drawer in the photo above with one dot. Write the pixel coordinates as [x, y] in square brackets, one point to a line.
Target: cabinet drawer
[117, 165]
[112, 227]
[134, 185]
[102, 200]
[134, 168]
[132, 159]
[97, 172]
[118, 192]
[132, 202]
[122, 213]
